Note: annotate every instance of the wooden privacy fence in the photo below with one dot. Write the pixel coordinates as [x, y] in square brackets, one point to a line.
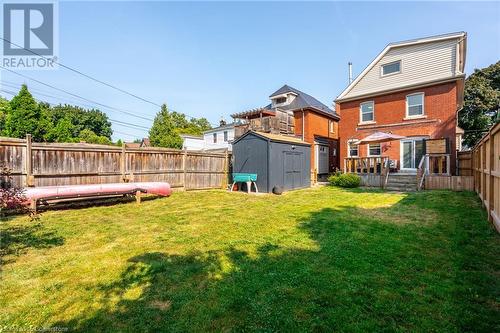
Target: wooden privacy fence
[486, 167]
[46, 164]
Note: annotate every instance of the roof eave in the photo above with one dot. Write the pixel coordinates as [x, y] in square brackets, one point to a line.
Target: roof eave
[389, 46]
[402, 88]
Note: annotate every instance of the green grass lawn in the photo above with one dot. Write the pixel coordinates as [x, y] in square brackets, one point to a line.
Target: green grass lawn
[320, 259]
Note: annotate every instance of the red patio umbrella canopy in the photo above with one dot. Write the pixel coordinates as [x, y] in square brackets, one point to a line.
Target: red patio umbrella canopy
[378, 137]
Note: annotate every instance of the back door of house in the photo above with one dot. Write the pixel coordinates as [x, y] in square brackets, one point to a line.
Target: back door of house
[292, 168]
[322, 158]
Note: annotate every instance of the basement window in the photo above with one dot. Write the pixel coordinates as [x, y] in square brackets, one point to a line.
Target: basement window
[391, 68]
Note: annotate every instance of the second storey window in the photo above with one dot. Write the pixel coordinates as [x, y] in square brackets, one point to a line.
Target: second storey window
[215, 137]
[366, 110]
[225, 136]
[415, 105]
[332, 126]
[374, 149]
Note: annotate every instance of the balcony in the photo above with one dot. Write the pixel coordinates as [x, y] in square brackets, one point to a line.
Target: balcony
[275, 125]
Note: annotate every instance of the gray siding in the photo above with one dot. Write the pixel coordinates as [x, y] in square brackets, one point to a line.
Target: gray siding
[420, 63]
[250, 156]
[275, 163]
[280, 166]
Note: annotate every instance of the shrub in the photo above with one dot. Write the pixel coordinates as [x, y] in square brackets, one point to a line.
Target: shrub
[349, 180]
[12, 199]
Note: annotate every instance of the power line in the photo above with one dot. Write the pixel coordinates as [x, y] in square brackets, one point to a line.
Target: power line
[93, 78]
[75, 95]
[66, 100]
[85, 75]
[114, 121]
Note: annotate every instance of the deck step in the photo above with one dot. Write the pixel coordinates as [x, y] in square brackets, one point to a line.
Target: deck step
[401, 182]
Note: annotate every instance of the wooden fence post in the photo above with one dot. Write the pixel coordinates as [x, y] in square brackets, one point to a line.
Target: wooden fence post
[184, 166]
[226, 166]
[28, 162]
[491, 189]
[123, 162]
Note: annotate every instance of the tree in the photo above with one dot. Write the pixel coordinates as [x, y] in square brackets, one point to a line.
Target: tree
[89, 136]
[481, 103]
[168, 126]
[4, 110]
[163, 132]
[80, 119]
[24, 117]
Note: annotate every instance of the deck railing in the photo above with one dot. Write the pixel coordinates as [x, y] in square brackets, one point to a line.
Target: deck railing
[432, 164]
[367, 165]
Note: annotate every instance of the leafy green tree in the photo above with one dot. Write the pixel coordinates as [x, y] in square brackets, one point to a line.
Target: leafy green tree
[119, 143]
[481, 103]
[24, 117]
[81, 119]
[163, 133]
[168, 126]
[4, 110]
[89, 136]
[63, 131]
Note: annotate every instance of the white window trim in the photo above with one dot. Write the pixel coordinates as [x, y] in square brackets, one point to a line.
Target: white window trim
[368, 150]
[349, 142]
[361, 113]
[332, 127]
[407, 116]
[390, 63]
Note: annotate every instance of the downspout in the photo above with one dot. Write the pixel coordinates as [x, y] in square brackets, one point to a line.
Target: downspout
[268, 163]
[303, 126]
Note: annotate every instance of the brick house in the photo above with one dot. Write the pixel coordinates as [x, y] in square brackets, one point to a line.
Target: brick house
[295, 113]
[412, 89]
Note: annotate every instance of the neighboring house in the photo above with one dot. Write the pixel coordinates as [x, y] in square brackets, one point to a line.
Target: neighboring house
[192, 142]
[413, 89]
[215, 139]
[295, 113]
[144, 143]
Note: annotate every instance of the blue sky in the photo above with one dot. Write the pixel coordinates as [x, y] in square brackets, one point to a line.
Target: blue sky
[212, 59]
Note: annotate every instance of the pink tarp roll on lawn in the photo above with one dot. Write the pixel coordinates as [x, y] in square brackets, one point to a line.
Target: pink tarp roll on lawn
[75, 191]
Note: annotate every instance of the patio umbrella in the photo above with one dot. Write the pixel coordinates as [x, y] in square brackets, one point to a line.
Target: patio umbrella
[379, 137]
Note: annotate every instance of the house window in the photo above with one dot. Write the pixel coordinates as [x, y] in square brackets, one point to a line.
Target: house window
[392, 68]
[280, 100]
[225, 136]
[415, 105]
[367, 112]
[352, 149]
[332, 126]
[215, 137]
[374, 149]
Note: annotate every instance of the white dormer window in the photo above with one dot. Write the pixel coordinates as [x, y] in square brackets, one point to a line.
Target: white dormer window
[391, 68]
[280, 100]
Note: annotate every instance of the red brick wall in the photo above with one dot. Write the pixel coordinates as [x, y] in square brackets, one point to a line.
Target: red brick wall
[315, 125]
[440, 106]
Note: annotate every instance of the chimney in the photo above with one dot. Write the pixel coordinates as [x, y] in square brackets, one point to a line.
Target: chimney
[350, 72]
[222, 122]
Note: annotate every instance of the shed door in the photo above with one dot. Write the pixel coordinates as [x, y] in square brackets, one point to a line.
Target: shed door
[292, 170]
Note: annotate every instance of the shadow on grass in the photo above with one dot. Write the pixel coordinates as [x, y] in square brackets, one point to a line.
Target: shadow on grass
[370, 272]
[17, 240]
